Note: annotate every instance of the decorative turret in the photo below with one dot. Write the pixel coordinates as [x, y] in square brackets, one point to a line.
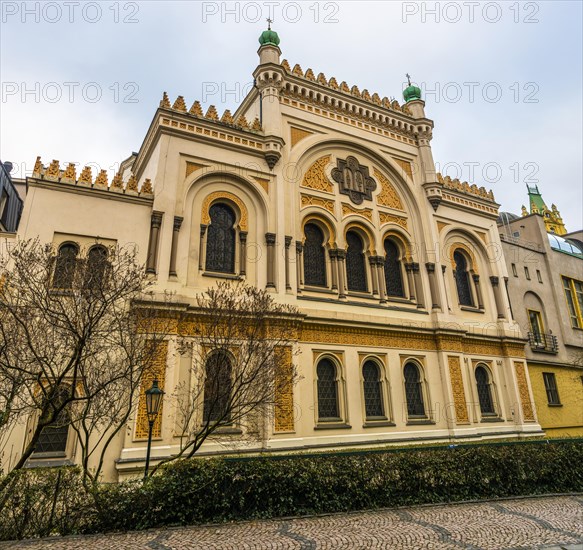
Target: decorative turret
[412, 96]
[552, 217]
[269, 51]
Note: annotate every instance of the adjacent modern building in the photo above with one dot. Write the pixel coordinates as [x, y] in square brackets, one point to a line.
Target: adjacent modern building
[545, 285]
[326, 195]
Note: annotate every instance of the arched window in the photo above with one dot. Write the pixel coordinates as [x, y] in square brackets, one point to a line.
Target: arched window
[462, 279]
[53, 437]
[217, 388]
[95, 269]
[413, 390]
[327, 391]
[314, 256]
[373, 394]
[484, 390]
[355, 263]
[393, 276]
[65, 266]
[220, 246]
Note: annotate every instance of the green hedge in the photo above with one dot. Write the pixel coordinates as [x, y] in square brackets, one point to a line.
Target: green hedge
[217, 490]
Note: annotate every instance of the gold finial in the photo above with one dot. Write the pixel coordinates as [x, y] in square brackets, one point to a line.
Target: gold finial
[524, 211]
[86, 176]
[165, 103]
[196, 109]
[408, 78]
[38, 168]
[212, 113]
[101, 179]
[179, 104]
[70, 174]
[285, 65]
[53, 171]
[256, 125]
[147, 187]
[227, 118]
[242, 122]
[117, 182]
[132, 184]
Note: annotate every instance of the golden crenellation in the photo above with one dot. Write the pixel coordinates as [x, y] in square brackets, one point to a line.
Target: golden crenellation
[315, 177]
[465, 187]
[388, 195]
[457, 388]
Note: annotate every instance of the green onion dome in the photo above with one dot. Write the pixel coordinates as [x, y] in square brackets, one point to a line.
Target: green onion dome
[269, 37]
[411, 92]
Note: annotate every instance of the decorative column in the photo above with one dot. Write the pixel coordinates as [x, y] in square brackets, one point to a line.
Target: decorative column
[341, 274]
[498, 296]
[418, 286]
[373, 275]
[201, 246]
[380, 262]
[443, 268]
[410, 283]
[243, 254]
[175, 231]
[288, 241]
[270, 241]
[299, 265]
[476, 279]
[155, 224]
[333, 253]
[432, 286]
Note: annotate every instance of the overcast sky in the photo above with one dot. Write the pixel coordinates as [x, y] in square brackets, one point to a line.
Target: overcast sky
[502, 80]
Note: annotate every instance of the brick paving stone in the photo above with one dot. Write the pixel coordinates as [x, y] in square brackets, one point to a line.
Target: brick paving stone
[549, 523]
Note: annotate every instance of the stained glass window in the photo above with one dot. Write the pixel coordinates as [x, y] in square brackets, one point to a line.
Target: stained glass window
[393, 275]
[462, 279]
[217, 387]
[373, 396]
[413, 391]
[327, 390]
[220, 245]
[95, 268]
[355, 263]
[484, 391]
[53, 438]
[314, 256]
[65, 266]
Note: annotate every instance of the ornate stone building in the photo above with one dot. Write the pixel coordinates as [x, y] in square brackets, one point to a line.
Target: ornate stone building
[326, 195]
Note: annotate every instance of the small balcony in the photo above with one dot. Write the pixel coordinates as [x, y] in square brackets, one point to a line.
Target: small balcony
[546, 343]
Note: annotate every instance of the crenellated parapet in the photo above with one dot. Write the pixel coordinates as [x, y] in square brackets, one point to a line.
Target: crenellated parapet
[465, 187]
[68, 177]
[211, 115]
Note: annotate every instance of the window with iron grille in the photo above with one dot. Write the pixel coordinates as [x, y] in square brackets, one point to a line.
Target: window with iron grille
[96, 267]
[327, 391]
[220, 245]
[53, 437]
[484, 391]
[217, 387]
[414, 391]
[314, 256]
[65, 266]
[373, 393]
[462, 279]
[393, 275]
[355, 263]
[551, 388]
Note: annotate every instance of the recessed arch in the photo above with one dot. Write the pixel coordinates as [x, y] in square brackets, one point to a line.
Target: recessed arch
[232, 200]
[326, 224]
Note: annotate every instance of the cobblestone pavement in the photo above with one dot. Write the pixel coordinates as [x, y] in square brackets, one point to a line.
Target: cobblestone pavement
[546, 523]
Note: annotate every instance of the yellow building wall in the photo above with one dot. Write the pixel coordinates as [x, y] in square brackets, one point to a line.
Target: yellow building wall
[565, 420]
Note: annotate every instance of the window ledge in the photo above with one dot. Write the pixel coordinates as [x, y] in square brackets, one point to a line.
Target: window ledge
[554, 404]
[378, 423]
[474, 309]
[45, 462]
[320, 289]
[332, 426]
[218, 275]
[226, 430]
[420, 422]
[491, 419]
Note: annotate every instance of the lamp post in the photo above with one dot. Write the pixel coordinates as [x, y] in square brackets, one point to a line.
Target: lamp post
[153, 402]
